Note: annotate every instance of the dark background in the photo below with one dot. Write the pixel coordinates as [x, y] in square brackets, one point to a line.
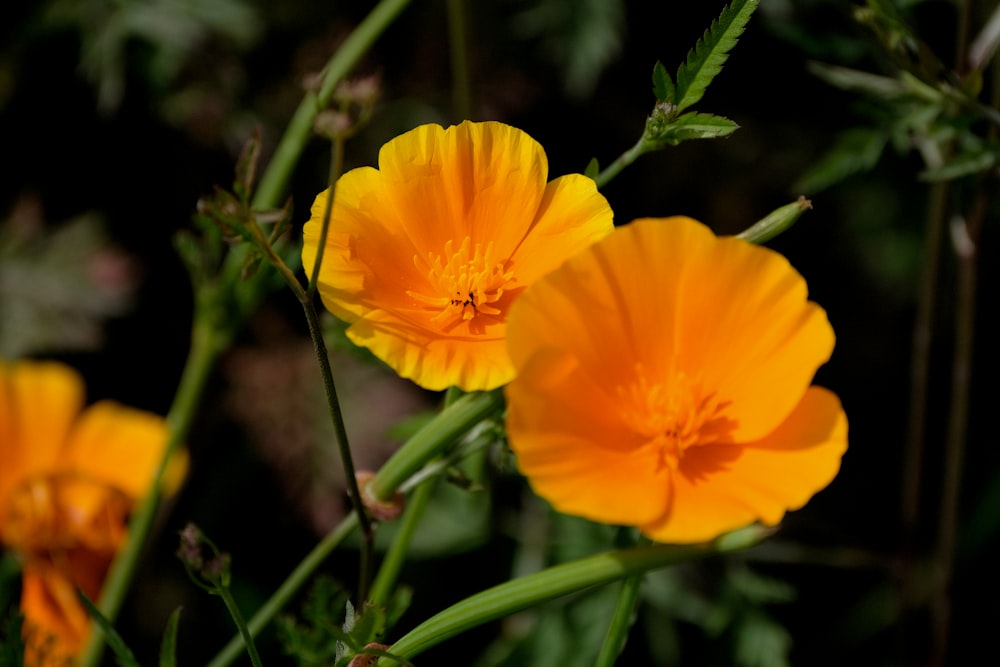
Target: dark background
[143, 161]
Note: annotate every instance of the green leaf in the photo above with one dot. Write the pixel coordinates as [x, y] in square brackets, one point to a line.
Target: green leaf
[762, 642]
[593, 169]
[663, 85]
[705, 60]
[963, 164]
[855, 150]
[123, 654]
[11, 639]
[168, 649]
[689, 126]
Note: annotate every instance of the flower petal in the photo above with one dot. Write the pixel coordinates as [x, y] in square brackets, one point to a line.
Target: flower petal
[38, 404]
[449, 213]
[121, 447]
[723, 487]
[573, 450]
[571, 216]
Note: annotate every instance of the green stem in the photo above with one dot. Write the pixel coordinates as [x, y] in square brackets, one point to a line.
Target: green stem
[617, 635]
[274, 182]
[459, 49]
[287, 590]
[207, 343]
[336, 167]
[241, 624]
[623, 160]
[388, 573]
[452, 422]
[340, 431]
[554, 582]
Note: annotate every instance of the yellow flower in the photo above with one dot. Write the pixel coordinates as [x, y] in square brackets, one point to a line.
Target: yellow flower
[663, 381]
[68, 481]
[426, 253]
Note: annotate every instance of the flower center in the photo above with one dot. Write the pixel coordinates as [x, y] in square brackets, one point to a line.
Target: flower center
[55, 512]
[672, 416]
[464, 283]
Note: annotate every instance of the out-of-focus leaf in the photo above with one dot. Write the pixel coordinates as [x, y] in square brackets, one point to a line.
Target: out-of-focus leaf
[973, 161]
[855, 150]
[593, 169]
[854, 80]
[58, 285]
[123, 654]
[11, 639]
[762, 642]
[581, 37]
[168, 648]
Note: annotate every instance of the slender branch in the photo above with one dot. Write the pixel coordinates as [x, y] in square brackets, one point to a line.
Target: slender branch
[241, 624]
[623, 160]
[274, 182]
[287, 590]
[385, 580]
[340, 432]
[621, 623]
[336, 168]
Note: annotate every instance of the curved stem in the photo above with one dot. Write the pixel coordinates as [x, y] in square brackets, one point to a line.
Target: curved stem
[455, 420]
[388, 573]
[337, 416]
[274, 182]
[621, 623]
[241, 624]
[623, 160]
[287, 590]
[540, 587]
[336, 167]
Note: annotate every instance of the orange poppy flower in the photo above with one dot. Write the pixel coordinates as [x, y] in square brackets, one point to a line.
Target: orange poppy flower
[663, 381]
[426, 253]
[67, 484]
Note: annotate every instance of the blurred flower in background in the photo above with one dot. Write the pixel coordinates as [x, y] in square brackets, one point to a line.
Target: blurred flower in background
[663, 381]
[70, 478]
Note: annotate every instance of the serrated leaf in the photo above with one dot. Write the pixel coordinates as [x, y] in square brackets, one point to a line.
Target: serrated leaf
[694, 125]
[663, 85]
[855, 150]
[705, 60]
[168, 649]
[593, 169]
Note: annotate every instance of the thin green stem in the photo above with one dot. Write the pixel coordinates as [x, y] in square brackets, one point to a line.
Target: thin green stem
[623, 160]
[336, 167]
[452, 422]
[241, 624]
[458, 43]
[554, 582]
[207, 343]
[302, 573]
[274, 183]
[621, 623]
[392, 564]
[340, 432]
